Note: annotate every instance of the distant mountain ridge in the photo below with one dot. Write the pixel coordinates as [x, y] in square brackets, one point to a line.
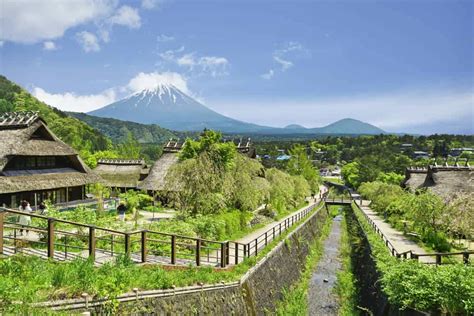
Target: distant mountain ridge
[172, 109]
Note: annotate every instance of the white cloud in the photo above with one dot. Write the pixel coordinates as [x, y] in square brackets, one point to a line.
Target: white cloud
[187, 60]
[268, 75]
[164, 38]
[31, 21]
[49, 45]
[126, 16]
[151, 80]
[212, 65]
[89, 42]
[285, 64]
[149, 4]
[281, 58]
[70, 101]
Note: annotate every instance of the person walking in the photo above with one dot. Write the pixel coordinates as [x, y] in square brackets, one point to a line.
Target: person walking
[121, 209]
[24, 219]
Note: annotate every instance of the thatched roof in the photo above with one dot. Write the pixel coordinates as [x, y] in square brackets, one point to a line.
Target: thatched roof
[414, 178]
[44, 181]
[156, 179]
[121, 173]
[24, 134]
[448, 180]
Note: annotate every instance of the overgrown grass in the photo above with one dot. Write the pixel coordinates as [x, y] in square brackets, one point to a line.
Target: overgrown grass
[295, 299]
[446, 288]
[25, 280]
[346, 286]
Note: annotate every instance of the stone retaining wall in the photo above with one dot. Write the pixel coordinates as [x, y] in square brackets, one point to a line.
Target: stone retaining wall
[257, 293]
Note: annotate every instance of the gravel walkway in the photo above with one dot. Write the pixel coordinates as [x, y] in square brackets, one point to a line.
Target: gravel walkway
[322, 300]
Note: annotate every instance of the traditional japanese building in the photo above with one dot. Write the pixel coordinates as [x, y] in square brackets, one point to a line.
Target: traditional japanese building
[414, 178]
[35, 165]
[444, 180]
[122, 174]
[155, 182]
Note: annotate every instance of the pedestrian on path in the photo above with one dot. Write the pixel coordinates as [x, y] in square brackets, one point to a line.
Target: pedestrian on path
[121, 209]
[25, 220]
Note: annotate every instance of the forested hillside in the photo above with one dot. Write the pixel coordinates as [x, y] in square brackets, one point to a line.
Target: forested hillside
[118, 130]
[91, 144]
[71, 130]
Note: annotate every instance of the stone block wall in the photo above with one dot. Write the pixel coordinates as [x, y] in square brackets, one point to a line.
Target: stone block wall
[257, 293]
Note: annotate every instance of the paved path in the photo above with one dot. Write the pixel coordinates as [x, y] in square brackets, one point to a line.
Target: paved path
[322, 300]
[399, 241]
[250, 237]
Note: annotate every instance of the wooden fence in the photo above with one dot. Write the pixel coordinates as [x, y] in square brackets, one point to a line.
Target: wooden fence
[64, 240]
[438, 257]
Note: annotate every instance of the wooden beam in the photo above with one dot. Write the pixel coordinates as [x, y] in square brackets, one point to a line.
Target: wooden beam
[50, 238]
[92, 243]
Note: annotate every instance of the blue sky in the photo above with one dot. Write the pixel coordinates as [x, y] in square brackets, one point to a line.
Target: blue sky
[402, 65]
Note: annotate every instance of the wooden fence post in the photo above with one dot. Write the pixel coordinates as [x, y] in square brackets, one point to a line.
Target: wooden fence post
[465, 257]
[2, 222]
[127, 245]
[438, 259]
[92, 243]
[198, 252]
[173, 249]
[144, 249]
[50, 238]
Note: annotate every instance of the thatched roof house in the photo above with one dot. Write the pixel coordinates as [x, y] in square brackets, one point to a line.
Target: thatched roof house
[122, 174]
[446, 181]
[443, 180]
[36, 165]
[414, 178]
[156, 179]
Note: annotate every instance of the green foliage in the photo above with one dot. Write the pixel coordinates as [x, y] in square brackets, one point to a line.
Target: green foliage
[222, 154]
[346, 285]
[447, 288]
[350, 174]
[91, 158]
[300, 165]
[129, 148]
[390, 177]
[118, 130]
[425, 210]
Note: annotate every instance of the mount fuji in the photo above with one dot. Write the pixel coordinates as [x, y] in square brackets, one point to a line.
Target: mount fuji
[171, 108]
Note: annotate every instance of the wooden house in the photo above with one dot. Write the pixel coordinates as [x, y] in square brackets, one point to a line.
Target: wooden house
[35, 165]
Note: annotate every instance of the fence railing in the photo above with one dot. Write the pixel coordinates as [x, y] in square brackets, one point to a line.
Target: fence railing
[64, 240]
[240, 251]
[438, 257]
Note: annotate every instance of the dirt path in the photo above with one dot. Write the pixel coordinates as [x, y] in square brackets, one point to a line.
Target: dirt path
[322, 300]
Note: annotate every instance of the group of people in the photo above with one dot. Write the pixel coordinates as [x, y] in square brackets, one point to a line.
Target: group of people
[24, 220]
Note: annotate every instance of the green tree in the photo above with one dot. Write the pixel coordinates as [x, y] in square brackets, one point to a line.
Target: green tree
[300, 165]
